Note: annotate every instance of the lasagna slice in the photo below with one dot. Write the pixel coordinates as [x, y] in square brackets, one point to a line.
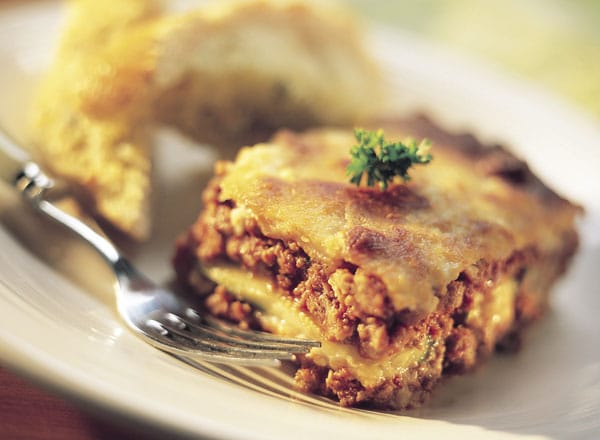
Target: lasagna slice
[402, 286]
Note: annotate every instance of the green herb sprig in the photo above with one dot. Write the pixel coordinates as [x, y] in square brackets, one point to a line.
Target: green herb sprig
[381, 160]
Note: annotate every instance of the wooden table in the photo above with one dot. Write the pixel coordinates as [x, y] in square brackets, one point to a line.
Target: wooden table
[29, 413]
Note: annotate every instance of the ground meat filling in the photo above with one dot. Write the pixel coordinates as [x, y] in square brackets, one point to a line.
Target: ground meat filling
[353, 307]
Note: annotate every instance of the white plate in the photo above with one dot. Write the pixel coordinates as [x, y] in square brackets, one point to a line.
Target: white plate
[61, 330]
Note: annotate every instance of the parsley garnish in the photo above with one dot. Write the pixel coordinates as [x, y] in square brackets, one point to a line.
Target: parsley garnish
[381, 160]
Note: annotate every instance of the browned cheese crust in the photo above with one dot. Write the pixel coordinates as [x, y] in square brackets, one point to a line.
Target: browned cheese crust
[435, 265]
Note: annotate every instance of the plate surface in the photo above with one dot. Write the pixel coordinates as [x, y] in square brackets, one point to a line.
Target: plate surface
[59, 325]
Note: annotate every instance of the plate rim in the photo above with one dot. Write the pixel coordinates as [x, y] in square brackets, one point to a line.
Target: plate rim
[23, 361]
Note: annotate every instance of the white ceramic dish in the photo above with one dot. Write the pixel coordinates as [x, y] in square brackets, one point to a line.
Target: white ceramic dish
[61, 330]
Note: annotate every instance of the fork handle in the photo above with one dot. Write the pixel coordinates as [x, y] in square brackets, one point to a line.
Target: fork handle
[18, 170]
[13, 159]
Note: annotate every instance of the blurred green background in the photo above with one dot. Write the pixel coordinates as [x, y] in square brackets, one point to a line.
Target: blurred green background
[555, 43]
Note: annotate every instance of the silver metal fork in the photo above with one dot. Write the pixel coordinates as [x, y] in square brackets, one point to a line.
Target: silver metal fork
[157, 315]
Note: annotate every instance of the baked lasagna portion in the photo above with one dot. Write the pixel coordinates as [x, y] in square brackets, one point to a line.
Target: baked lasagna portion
[402, 286]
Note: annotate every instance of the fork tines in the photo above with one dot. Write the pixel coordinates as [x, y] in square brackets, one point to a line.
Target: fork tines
[195, 335]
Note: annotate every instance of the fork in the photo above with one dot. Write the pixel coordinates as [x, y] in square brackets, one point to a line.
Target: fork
[161, 318]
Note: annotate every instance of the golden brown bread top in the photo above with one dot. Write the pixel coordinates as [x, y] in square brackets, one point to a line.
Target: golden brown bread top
[226, 72]
[417, 237]
[105, 160]
[225, 69]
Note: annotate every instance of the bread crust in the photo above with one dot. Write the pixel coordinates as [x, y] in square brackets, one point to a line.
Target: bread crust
[229, 73]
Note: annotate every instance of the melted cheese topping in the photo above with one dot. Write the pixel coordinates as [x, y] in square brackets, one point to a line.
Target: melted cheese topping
[281, 316]
[416, 237]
